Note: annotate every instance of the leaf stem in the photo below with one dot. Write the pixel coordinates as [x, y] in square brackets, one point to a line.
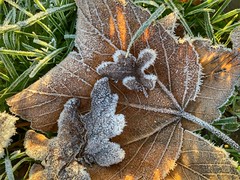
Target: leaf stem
[212, 129]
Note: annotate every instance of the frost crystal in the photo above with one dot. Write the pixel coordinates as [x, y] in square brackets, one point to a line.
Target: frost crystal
[102, 124]
[7, 130]
[131, 70]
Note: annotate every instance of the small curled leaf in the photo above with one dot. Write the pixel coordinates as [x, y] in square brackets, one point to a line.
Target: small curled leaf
[36, 145]
[102, 124]
[131, 70]
[70, 140]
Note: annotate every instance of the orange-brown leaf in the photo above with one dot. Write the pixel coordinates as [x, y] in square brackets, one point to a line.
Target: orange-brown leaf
[221, 72]
[202, 160]
[36, 145]
[152, 138]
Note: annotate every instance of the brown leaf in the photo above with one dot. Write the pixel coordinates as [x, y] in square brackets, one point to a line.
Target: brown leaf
[221, 71]
[153, 136]
[202, 160]
[42, 102]
[146, 155]
[37, 172]
[36, 145]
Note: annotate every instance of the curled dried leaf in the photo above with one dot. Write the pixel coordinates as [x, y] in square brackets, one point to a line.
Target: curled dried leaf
[169, 22]
[63, 149]
[36, 145]
[130, 69]
[83, 138]
[7, 130]
[102, 124]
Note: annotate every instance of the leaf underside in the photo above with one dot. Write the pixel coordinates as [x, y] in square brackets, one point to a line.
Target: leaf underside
[153, 125]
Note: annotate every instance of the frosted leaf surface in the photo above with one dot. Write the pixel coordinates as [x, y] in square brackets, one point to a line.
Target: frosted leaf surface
[7, 130]
[154, 134]
[102, 124]
[221, 72]
[235, 38]
[74, 171]
[70, 141]
[83, 138]
[36, 145]
[37, 172]
[131, 69]
[42, 102]
[202, 160]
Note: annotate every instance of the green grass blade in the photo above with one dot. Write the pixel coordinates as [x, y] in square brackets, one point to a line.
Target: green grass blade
[9, 169]
[221, 9]
[152, 3]
[174, 9]
[17, 82]
[19, 163]
[228, 28]
[44, 44]
[8, 65]
[226, 16]
[209, 28]
[19, 53]
[145, 25]
[4, 77]
[33, 35]
[37, 17]
[199, 11]
[206, 4]
[33, 49]
[16, 166]
[44, 61]
[52, 20]
[39, 4]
